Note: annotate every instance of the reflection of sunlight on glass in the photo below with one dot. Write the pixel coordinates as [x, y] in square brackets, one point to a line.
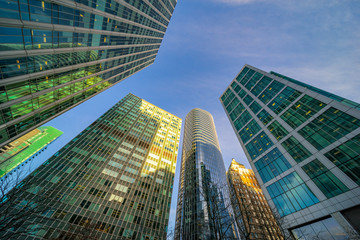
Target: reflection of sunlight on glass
[162, 156]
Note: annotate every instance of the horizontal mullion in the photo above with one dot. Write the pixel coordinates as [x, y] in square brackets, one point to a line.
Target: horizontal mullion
[59, 70]
[19, 119]
[37, 52]
[4, 22]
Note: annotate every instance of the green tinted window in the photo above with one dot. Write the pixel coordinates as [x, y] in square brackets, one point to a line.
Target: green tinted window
[271, 165]
[242, 93]
[248, 99]
[249, 130]
[284, 99]
[347, 158]
[302, 110]
[330, 126]
[247, 77]
[226, 94]
[253, 80]
[258, 145]
[242, 120]
[291, 194]
[237, 111]
[296, 149]
[229, 98]
[242, 74]
[255, 107]
[277, 130]
[232, 105]
[261, 85]
[264, 117]
[328, 183]
[270, 91]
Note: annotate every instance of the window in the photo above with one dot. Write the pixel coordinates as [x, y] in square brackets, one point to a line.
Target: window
[264, 117]
[296, 149]
[284, 99]
[290, 194]
[109, 172]
[324, 229]
[270, 91]
[249, 130]
[328, 183]
[271, 165]
[242, 120]
[258, 145]
[302, 110]
[237, 111]
[347, 158]
[277, 130]
[255, 107]
[330, 126]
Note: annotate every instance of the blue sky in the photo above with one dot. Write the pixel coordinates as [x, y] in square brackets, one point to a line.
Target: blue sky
[208, 42]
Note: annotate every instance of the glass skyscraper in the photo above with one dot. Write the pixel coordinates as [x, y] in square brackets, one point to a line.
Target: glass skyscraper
[304, 146]
[203, 210]
[24, 149]
[252, 212]
[112, 181]
[56, 54]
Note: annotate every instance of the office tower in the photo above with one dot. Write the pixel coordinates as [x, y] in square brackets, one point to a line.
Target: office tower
[112, 181]
[57, 54]
[203, 206]
[26, 148]
[303, 144]
[253, 215]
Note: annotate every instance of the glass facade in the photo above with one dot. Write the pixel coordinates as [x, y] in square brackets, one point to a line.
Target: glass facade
[302, 142]
[327, 229]
[114, 179]
[22, 150]
[58, 54]
[253, 215]
[203, 208]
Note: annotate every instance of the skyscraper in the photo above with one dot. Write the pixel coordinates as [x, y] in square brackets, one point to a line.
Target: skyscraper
[303, 144]
[25, 148]
[57, 54]
[253, 215]
[112, 181]
[203, 206]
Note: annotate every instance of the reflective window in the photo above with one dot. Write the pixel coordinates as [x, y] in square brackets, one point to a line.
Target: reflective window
[347, 158]
[271, 165]
[237, 111]
[330, 126]
[258, 145]
[295, 149]
[248, 99]
[291, 194]
[242, 74]
[229, 98]
[247, 76]
[326, 181]
[255, 107]
[277, 130]
[270, 91]
[232, 104]
[261, 85]
[242, 120]
[253, 80]
[302, 110]
[327, 229]
[249, 130]
[264, 117]
[284, 99]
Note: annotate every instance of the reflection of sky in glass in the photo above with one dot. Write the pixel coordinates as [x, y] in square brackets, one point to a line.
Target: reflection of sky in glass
[327, 229]
[290, 194]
